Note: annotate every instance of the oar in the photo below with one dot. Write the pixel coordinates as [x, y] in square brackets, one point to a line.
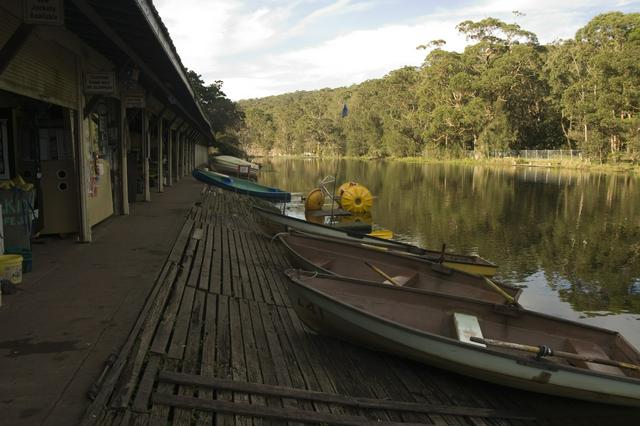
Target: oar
[381, 272]
[542, 351]
[500, 291]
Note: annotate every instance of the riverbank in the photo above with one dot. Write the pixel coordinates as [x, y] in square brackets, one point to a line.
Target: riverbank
[573, 164]
[570, 164]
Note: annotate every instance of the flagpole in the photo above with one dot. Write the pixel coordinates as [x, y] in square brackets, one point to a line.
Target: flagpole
[333, 192]
[343, 114]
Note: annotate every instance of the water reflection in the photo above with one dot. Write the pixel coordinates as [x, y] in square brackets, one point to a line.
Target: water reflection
[572, 236]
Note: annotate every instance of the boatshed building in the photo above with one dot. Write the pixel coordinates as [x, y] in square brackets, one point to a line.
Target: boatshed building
[96, 112]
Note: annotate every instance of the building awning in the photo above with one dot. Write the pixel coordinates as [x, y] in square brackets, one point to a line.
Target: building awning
[130, 33]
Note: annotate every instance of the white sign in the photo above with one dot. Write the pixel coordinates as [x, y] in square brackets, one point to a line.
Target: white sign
[44, 12]
[100, 83]
[134, 101]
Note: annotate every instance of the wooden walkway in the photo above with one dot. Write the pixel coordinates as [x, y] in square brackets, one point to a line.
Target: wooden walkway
[218, 343]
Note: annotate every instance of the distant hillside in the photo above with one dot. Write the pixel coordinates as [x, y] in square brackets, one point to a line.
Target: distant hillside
[505, 91]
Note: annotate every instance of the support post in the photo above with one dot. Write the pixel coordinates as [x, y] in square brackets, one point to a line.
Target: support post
[160, 163]
[183, 155]
[84, 234]
[177, 155]
[124, 178]
[145, 155]
[170, 156]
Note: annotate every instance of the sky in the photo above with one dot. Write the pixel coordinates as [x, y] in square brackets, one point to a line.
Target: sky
[260, 48]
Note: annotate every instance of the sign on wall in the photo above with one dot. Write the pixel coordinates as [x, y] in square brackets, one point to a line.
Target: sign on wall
[100, 83]
[134, 101]
[44, 12]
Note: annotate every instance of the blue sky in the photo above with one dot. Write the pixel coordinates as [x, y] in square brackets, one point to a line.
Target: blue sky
[261, 48]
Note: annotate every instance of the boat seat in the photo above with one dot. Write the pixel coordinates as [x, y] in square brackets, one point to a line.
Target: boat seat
[404, 280]
[591, 349]
[467, 326]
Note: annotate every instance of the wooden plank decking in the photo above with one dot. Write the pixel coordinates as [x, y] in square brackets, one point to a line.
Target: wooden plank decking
[218, 326]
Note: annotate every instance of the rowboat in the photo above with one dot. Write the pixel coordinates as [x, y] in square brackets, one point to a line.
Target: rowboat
[234, 166]
[509, 346]
[241, 186]
[333, 256]
[462, 262]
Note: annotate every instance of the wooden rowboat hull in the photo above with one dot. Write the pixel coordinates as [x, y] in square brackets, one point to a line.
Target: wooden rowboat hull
[337, 257]
[242, 186]
[467, 263]
[234, 166]
[346, 309]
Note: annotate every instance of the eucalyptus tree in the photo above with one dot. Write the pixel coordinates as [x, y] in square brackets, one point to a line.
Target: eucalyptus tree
[597, 77]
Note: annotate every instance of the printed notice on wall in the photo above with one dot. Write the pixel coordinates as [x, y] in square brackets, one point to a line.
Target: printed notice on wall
[103, 83]
[134, 101]
[44, 12]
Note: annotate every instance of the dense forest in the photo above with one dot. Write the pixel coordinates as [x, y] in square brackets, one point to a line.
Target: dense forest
[506, 91]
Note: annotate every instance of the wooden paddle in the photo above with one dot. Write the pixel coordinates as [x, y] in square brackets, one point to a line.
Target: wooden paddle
[500, 291]
[542, 351]
[381, 272]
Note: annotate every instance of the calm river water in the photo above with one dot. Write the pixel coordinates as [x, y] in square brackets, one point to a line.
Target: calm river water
[572, 238]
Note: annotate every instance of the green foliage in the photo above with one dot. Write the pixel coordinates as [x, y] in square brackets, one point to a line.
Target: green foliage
[504, 92]
[223, 114]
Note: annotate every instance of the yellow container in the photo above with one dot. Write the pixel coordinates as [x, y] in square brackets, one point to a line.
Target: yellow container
[11, 267]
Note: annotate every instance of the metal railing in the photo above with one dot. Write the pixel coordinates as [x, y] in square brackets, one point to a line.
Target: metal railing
[534, 154]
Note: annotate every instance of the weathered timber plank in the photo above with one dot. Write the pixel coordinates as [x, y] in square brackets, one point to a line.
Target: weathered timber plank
[262, 280]
[143, 393]
[160, 414]
[269, 412]
[97, 406]
[183, 238]
[262, 274]
[215, 280]
[355, 401]
[139, 419]
[223, 356]
[252, 362]
[208, 359]
[245, 278]
[287, 352]
[238, 364]
[419, 391]
[249, 268]
[126, 383]
[198, 258]
[279, 364]
[181, 325]
[279, 298]
[191, 359]
[205, 270]
[227, 281]
[315, 379]
[165, 327]
[232, 259]
[266, 366]
[382, 383]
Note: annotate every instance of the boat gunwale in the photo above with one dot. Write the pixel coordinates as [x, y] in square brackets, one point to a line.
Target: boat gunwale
[467, 259]
[531, 361]
[267, 192]
[516, 289]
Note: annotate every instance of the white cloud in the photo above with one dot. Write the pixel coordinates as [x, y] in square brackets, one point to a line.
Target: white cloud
[339, 7]
[227, 40]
